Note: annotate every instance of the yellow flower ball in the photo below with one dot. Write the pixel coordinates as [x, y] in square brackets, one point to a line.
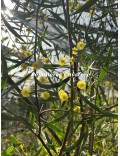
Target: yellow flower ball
[45, 18]
[62, 61]
[27, 53]
[25, 92]
[40, 12]
[72, 59]
[37, 74]
[13, 45]
[29, 30]
[70, 4]
[62, 75]
[81, 84]
[67, 75]
[46, 60]
[14, 51]
[35, 66]
[63, 95]
[40, 59]
[24, 66]
[20, 53]
[43, 79]
[45, 95]
[74, 51]
[80, 45]
[23, 47]
[40, 22]
[16, 40]
[76, 109]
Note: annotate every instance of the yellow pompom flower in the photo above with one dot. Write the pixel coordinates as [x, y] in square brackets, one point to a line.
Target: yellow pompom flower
[45, 95]
[16, 40]
[40, 59]
[30, 6]
[74, 51]
[40, 22]
[23, 47]
[14, 51]
[37, 74]
[24, 66]
[91, 13]
[43, 79]
[62, 75]
[46, 60]
[70, 4]
[13, 45]
[27, 75]
[81, 84]
[35, 66]
[67, 75]
[25, 92]
[20, 54]
[40, 12]
[78, 6]
[63, 95]
[72, 59]
[62, 61]
[76, 109]
[29, 30]
[80, 45]
[45, 18]
[27, 53]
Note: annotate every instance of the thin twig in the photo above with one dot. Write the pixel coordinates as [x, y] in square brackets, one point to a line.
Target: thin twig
[65, 139]
[71, 69]
[35, 50]
[49, 110]
[63, 4]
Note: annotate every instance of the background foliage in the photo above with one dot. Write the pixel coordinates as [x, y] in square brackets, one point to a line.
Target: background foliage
[52, 127]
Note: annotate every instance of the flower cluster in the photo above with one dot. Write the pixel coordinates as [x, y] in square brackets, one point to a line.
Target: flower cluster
[35, 66]
[76, 109]
[62, 61]
[81, 84]
[109, 84]
[45, 95]
[63, 95]
[27, 53]
[25, 92]
[77, 5]
[80, 45]
[43, 80]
